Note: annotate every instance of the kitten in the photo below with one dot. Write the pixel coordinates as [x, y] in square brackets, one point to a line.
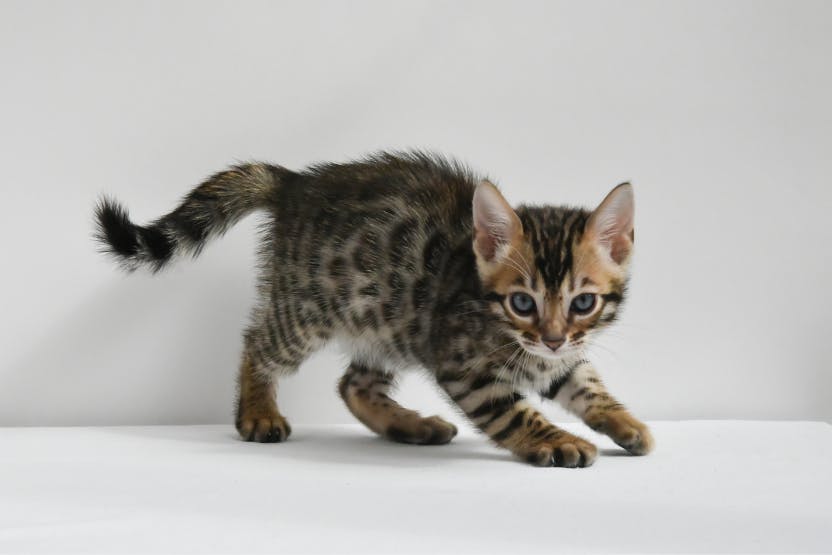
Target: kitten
[411, 260]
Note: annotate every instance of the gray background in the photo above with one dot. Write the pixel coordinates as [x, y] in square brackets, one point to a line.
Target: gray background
[718, 112]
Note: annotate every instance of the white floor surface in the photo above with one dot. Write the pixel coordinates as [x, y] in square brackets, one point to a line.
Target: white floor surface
[710, 486]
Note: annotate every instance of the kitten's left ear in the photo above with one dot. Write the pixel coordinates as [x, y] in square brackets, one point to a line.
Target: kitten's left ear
[611, 224]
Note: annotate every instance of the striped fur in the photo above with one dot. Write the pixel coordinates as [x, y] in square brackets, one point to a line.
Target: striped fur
[412, 260]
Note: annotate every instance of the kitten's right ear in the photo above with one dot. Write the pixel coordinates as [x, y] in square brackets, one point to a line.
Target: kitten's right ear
[496, 226]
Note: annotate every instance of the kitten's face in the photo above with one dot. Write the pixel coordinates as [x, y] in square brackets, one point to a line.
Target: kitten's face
[556, 274]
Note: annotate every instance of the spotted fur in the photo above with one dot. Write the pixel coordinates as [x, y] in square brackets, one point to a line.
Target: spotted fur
[411, 260]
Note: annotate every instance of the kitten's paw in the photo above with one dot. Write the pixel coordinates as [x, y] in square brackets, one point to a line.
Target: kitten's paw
[568, 451]
[421, 431]
[629, 432]
[270, 429]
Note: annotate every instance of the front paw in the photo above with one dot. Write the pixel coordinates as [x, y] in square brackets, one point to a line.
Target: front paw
[567, 451]
[628, 432]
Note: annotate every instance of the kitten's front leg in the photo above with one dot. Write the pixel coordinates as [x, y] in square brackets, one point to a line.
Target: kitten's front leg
[502, 413]
[583, 394]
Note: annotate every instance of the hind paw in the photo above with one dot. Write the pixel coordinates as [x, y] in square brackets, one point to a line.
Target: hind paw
[421, 431]
[268, 429]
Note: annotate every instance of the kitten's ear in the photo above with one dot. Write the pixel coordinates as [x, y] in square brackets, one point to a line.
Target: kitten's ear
[611, 224]
[495, 223]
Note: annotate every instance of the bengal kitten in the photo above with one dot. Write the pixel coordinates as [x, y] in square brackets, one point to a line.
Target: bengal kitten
[411, 260]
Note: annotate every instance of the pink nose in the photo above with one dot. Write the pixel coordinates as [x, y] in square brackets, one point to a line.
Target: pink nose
[553, 342]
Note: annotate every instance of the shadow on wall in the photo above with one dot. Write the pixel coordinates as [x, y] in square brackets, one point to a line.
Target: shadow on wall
[149, 349]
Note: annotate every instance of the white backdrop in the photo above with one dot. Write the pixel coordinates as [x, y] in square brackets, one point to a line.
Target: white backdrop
[718, 112]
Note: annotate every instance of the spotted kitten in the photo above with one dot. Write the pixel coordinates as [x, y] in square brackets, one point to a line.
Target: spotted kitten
[411, 260]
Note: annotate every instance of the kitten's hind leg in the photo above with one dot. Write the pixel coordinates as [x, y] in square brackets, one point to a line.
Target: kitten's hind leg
[275, 345]
[365, 391]
[257, 416]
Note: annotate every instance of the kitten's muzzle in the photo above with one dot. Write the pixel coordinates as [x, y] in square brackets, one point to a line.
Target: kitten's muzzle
[553, 342]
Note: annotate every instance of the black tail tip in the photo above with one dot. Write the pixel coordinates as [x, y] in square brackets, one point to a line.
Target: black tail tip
[115, 230]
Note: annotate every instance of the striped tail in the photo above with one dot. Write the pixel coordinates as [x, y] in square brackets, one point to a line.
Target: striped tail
[207, 211]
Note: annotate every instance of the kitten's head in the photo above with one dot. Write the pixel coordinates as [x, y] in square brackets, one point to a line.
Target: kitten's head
[557, 274]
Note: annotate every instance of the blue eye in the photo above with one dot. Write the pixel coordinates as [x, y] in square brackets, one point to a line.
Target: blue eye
[583, 303]
[523, 304]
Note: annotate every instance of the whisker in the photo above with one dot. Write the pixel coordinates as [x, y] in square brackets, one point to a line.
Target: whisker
[525, 262]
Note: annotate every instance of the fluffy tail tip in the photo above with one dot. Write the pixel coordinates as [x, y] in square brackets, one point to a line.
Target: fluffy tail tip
[132, 245]
[116, 233]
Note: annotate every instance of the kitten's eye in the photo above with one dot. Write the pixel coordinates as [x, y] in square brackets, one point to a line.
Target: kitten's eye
[523, 304]
[583, 303]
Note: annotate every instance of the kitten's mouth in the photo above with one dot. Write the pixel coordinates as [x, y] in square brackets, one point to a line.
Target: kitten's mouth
[542, 351]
